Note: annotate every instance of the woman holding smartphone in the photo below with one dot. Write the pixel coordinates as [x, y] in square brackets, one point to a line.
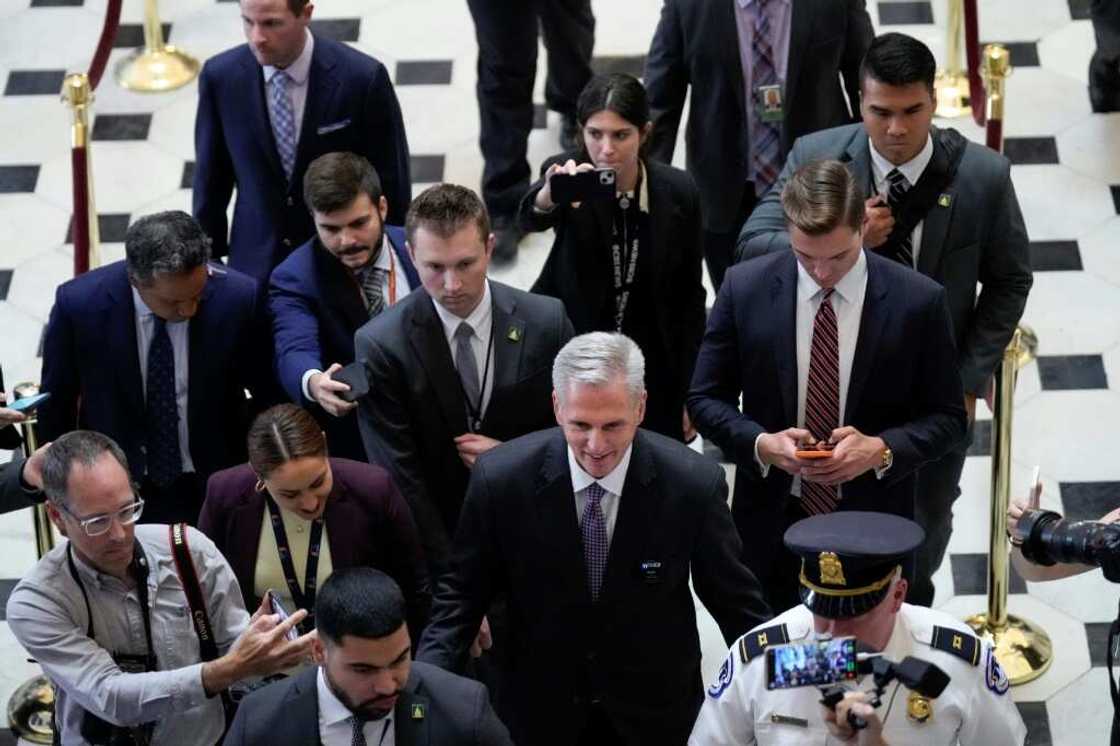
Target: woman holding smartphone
[627, 261]
[292, 515]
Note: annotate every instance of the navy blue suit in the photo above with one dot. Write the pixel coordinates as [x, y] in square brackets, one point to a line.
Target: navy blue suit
[351, 106]
[316, 307]
[91, 366]
[904, 387]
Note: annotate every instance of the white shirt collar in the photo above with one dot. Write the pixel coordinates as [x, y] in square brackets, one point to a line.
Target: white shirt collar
[331, 709]
[746, 3]
[612, 483]
[142, 309]
[848, 288]
[301, 68]
[479, 318]
[912, 169]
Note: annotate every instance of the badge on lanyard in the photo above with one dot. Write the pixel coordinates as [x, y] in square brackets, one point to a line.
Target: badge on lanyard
[770, 105]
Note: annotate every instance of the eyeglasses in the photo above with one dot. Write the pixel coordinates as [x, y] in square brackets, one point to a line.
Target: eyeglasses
[97, 525]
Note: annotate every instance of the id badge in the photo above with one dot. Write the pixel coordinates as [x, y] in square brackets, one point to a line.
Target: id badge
[770, 106]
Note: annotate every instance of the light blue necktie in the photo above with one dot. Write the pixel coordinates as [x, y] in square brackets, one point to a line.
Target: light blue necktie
[283, 119]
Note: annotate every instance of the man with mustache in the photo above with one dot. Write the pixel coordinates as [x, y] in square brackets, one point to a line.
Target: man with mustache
[352, 269]
[366, 689]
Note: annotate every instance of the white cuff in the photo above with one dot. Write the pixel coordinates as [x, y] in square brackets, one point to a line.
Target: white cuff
[763, 469]
[306, 381]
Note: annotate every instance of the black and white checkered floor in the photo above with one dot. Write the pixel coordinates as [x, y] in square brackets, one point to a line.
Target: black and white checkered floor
[1067, 173]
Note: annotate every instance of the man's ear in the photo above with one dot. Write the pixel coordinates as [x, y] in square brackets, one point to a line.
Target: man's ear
[318, 653]
[383, 207]
[556, 408]
[56, 517]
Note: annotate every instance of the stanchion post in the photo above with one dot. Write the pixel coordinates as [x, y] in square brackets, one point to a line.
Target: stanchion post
[76, 93]
[995, 68]
[951, 84]
[157, 66]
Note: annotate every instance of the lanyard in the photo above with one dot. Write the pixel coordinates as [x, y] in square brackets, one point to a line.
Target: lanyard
[303, 599]
[474, 413]
[624, 253]
[392, 274]
[139, 571]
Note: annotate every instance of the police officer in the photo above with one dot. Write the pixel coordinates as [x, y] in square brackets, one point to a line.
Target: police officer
[851, 584]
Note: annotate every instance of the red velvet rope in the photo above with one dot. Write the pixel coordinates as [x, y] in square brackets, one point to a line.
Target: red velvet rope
[995, 135]
[972, 53]
[78, 161]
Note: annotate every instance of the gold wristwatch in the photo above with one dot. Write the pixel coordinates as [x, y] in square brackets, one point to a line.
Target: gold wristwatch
[887, 459]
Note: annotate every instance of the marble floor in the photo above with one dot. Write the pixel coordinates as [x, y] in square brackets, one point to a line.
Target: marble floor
[1066, 170]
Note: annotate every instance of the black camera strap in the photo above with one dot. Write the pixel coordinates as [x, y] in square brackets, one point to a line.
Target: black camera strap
[1113, 634]
[303, 598]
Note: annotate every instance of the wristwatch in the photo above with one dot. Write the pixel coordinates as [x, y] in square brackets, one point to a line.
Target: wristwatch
[886, 459]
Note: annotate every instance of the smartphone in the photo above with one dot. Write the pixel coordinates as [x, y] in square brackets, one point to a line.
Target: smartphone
[279, 610]
[28, 403]
[585, 186]
[1035, 495]
[354, 376]
[811, 663]
[817, 450]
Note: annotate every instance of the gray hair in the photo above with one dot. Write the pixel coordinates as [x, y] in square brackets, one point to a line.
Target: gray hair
[83, 447]
[164, 243]
[598, 358]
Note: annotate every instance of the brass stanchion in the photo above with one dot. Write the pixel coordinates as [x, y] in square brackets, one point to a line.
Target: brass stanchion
[156, 66]
[995, 68]
[951, 84]
[1022, 648]
[31, 707]
[77, 94]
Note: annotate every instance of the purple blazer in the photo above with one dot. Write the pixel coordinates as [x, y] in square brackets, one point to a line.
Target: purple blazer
[368, 524]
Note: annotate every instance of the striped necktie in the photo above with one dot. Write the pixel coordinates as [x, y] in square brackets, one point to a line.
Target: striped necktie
[822, 401]
[283, 119]
[766, 154]
[372, 283]
[903, 250]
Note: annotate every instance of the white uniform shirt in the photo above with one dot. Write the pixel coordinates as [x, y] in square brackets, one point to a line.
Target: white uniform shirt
[975, 708]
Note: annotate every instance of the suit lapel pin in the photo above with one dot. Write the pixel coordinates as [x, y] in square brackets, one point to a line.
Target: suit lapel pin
[514, 334]
[418, 712]
[945, 200]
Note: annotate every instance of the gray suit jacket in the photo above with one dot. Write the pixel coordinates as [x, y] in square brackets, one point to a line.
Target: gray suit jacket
[435, 708]
[978, 237]
[13, 495]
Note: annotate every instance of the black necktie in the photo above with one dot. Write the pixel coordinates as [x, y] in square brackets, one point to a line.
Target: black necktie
[162, 411]
[903, 250]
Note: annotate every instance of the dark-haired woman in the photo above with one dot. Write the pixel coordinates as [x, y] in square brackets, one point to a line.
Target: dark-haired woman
[292, 515]
[631, 262]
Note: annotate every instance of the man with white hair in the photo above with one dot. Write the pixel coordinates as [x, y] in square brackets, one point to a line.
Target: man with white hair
[590, 530]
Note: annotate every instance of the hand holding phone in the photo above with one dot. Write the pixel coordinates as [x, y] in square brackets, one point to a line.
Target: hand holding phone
[820, 449]
[279, 610]
[28, 403]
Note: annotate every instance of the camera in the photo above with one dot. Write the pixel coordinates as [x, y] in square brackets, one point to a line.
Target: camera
[1048, 539]
[100, 732]
[913, 673]
[606, 176]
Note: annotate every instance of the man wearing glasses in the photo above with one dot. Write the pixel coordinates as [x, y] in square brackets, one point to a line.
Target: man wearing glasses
[106, 616]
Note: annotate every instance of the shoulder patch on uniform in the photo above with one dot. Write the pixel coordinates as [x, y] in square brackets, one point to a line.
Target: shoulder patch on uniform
[752, 644]
[953, 641]
[994, 677]
[723, 680]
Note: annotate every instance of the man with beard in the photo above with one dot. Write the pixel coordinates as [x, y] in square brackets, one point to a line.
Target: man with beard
[355, 267]
[366, 689]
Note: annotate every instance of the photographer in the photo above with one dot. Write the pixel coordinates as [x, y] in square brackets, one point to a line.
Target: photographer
[1031, 571]
[107, 613]
[851, 586]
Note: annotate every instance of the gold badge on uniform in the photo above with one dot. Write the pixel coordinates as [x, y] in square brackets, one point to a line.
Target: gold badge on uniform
[418, 712]
[514, 334]
[918, 708]
[832, 572]
[945, 200]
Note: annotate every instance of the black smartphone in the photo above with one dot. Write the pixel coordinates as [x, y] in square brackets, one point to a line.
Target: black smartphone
[585, 186]
[279, 610]
[354, 376]
[811, 663]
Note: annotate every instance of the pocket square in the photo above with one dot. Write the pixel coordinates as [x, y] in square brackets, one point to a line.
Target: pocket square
[328, 128]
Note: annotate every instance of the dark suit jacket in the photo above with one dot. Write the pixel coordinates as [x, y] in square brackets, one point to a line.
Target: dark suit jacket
[316, 307]
[350, 106]
[415, 407]
[578, 270]
[91, 366]
[979, 237]
[13, 495]
[696, 43]
[903, 387]
[635, 652]
[456, 712]
[367, 524]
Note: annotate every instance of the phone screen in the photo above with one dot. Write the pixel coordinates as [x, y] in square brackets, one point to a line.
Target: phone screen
[813, 663]
[279, 610]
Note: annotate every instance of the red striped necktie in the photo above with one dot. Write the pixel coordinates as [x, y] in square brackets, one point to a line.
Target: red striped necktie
[822, 402]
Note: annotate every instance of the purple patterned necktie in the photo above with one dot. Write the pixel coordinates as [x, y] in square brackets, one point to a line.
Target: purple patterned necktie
[593, 531]
[766, 154]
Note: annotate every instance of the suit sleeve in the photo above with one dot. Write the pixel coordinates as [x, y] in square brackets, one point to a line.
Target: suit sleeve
[258, 354]
[59, 413]
[666, 81]
[465, 592]
[695, 314]
[295, 330]
[489, 730]
[1006, 279]
[235, 736]
[212, 519]
[941, 421]
[406, 559]
[388, 146]
[856, 43]
[713, 400]
[765, 231]
[13, 495]
[388, 436]
[729, 591]
[213, 170]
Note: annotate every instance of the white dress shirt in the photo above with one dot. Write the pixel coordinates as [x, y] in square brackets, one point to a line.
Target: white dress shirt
[298, 71]
[612, 484]
[178, 331]
[335, 728]
[481, 319]
[912, 170]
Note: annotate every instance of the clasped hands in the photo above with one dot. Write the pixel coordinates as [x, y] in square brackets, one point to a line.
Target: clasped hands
[853, 454]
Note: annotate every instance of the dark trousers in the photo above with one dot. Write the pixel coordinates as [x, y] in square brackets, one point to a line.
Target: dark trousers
[938, 488]
[1104, 67]
[719, 247]
[178, 502]
[507, 66]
